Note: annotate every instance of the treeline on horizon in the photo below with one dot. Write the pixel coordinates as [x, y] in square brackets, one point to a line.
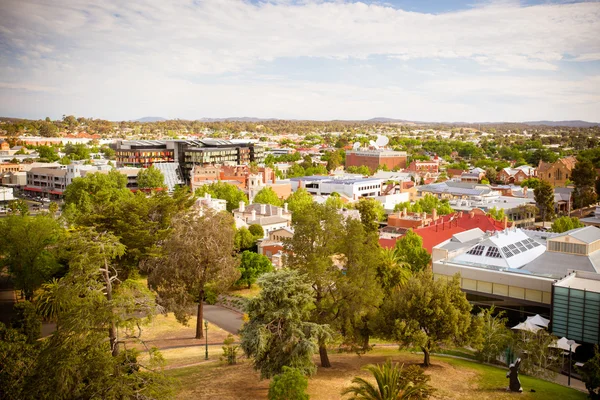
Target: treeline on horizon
[49, 128]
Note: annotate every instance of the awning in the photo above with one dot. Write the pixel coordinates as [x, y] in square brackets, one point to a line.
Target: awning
[538, 320]
[526, 326]
[32, 189]
[56, 192]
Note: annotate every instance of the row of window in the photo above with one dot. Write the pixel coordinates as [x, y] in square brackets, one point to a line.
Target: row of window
[369, 187]
[571, 248]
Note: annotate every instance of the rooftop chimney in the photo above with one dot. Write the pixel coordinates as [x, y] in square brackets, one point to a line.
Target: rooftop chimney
[505, 222]
[472, 214]
[263, 209]
[285, 207]
[207, 196]
[524, 191]
[404, 212]
[253, 215]
[280, 211]
[434, 214]
[242, 206]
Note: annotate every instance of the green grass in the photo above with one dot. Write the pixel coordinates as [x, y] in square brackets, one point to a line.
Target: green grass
[490, 379]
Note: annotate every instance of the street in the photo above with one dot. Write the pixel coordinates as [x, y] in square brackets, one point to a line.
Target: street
[224, 318]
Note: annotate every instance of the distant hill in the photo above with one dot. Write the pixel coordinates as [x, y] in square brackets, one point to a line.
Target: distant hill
[151, 119]
[387, 120]
[569, 124]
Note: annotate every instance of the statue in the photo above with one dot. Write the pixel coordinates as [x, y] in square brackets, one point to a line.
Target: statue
[513, 373]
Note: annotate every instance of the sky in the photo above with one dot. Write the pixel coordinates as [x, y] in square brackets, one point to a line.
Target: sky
[420, 60]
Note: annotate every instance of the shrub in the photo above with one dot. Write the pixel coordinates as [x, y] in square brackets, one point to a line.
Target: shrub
[590, 375]
[26, 321]
[230, 350]
[291, 384]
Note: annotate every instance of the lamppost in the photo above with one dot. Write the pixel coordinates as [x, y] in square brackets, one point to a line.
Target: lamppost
[206, 334]
[570, 343]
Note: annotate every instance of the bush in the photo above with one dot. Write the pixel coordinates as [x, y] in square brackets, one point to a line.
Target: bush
[289, 385]
[210, 296]
[590, 375]
[26, 321]
[415, 376]
[230, 350]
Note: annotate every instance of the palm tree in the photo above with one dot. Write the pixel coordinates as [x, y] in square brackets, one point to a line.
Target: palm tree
[390, 384]
[392, 272]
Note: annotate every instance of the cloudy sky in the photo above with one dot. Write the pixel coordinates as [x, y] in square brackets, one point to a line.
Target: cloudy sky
[429, 60]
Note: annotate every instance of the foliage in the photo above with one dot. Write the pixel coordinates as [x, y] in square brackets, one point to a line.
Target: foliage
[565, 223]
[531, 183]
[334, 201]
[417, 376]
[544, 199]
[426, 204]
[251, 267]
[409, 250]
[391, 271]
[299, 200]
[27, 244]
[278, 333]
[268, 196]
[427, 313]
[26, 321]
[150, 178]
[17, 363]
[371, 212]
[229, 350]
[584, 177]
[244, 239]
[590, 375]
[390, 385]
[537, 359]
[225, 191]
[361, 170]
[78, 151]
[19, 207]
[256, 230]
[47, 153]
[199, 251]
[495, 335]
[291, 384]
[497, 214]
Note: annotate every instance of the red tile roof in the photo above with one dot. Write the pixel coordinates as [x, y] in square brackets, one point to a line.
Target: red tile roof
[449, 225]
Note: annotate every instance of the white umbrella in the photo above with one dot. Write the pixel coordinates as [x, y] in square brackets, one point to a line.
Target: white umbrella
[527, 326]
[563, 344]
[538, 320]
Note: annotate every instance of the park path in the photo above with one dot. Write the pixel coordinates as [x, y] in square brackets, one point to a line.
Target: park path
[226, 319]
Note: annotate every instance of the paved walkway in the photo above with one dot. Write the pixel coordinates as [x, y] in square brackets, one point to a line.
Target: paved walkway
[224, 318]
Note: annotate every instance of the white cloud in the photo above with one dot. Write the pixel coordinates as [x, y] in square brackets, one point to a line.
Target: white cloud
[98, 53]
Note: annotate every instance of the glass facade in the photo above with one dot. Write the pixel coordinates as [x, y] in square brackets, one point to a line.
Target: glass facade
[576, 314]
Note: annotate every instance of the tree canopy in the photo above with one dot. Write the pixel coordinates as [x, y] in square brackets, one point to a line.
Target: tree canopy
[565, 223]
[224, 191]
[252, 265]
[409, 250]
[268, 196]
[150, 178]
[544, 199]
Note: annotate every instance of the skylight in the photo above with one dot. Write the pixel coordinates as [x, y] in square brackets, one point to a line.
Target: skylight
[476, 251]
[493, 252]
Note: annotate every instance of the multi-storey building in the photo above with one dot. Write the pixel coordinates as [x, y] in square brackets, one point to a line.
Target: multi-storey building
[142, 153]
[50, 182]
[353, 189]
[557, 173]
[374, 158]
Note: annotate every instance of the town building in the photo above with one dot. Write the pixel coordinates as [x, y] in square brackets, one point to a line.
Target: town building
[10, 167]
[14, 179]
[434, 229]
[208, 202]
[268, 216]
[142, 153]
[6, 194]
[420, 166]
[556, 173]
[374, 158]
[516, 175]
[4, 145]
[517, 268]
[354, 189]
[594, 220]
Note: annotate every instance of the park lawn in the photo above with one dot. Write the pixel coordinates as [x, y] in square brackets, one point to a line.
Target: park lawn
[452, 378]
[164, 331]
[248, 293]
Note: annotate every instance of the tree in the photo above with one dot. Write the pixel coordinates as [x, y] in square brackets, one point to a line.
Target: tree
[494, 333]
[409, 250]
[334, 201]
[334, 161]
[584, 177]
[224, 191]
[18, 357]
[590, 375]
[565, 223]
[544, 199]
[299, 200]
[291, 384]
[497, 214]
[278, 333]
[244, 239]
[48, 129]
[27, 245]
[390, 385]
[199, 251]
[251, 267]
[150, 178]
[26, 321]
[531, 183]
[48, 153]
[268, 196]
[427, 313]
[78, 151]
[391, 271]
[371, 212]
[257, 231]
[538, 358]
[19, 207]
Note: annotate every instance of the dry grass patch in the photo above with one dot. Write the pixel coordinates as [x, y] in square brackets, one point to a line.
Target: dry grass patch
[452, 380]
[254, 291]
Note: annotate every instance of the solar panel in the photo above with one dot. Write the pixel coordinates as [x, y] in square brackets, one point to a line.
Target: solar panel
[528, 244]
[535, 244]
[493, 252]
[476, 251]
[521, 246]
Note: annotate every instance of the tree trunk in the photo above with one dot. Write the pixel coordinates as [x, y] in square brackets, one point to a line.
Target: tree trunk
[200, 315]
[426, 359]
[324, 357]
[112, 329]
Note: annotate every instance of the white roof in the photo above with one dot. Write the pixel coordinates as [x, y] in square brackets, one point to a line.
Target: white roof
[526, 326]
[538, 320]
[563, 343]
[511, 248]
